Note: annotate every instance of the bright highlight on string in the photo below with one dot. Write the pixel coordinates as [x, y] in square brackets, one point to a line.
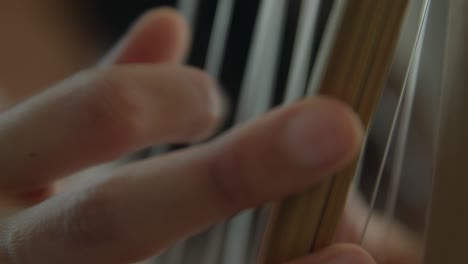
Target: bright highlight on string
[406, 96]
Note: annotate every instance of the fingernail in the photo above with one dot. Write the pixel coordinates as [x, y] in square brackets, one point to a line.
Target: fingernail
[322, 133]
[210, 102]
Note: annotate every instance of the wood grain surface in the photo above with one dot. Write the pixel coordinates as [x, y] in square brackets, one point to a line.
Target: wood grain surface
[356, 65]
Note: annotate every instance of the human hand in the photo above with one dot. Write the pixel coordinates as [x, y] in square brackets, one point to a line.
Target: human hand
[387, 240]
[147, 98]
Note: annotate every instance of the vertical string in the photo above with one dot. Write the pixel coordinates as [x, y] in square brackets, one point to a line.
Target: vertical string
[402, 137]
[257, 85]
[326, 47]
[212, 251]
[358, 173]
[256, 93]
[217, 44]
[295, 87]
[189, 9]
[402, 100]
[303, 47]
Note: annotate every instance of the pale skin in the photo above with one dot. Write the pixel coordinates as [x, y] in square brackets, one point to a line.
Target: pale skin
[142, 95]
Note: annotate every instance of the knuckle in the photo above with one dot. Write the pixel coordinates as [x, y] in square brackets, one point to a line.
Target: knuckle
[230, 181]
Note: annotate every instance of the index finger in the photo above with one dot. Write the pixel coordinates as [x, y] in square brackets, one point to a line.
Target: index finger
[147, 206]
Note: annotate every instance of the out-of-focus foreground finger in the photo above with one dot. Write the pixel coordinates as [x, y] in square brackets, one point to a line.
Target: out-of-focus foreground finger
[147, 206]
[337, 254]
[387, 242]
[100, 115]
[160, 35]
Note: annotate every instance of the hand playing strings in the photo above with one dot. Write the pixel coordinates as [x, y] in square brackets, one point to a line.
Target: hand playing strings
[141, 96]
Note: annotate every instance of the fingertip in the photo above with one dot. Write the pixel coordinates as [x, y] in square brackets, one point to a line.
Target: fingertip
[159, 35]
[350, 121]
[324, 132]
[168, 20]
[212, 105]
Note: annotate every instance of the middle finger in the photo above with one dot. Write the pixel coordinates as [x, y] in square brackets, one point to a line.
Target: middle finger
[99, 115]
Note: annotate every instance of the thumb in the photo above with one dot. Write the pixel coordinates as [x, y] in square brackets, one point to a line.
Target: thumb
[337, 254]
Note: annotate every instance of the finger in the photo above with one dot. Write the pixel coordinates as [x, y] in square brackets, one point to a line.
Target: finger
[147, 206]
[387, 243]
[161, 35]
[337, 254]
[100, 115]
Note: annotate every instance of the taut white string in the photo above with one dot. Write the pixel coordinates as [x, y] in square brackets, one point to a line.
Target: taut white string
[402, 137]
[415, 56]
[303, 47]
[211, 253]
[256, 92]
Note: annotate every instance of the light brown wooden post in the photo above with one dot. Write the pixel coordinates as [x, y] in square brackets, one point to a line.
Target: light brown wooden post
[355, 71]
[447, 236]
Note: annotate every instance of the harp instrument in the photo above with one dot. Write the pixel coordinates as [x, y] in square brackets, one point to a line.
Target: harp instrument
[345, 49]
